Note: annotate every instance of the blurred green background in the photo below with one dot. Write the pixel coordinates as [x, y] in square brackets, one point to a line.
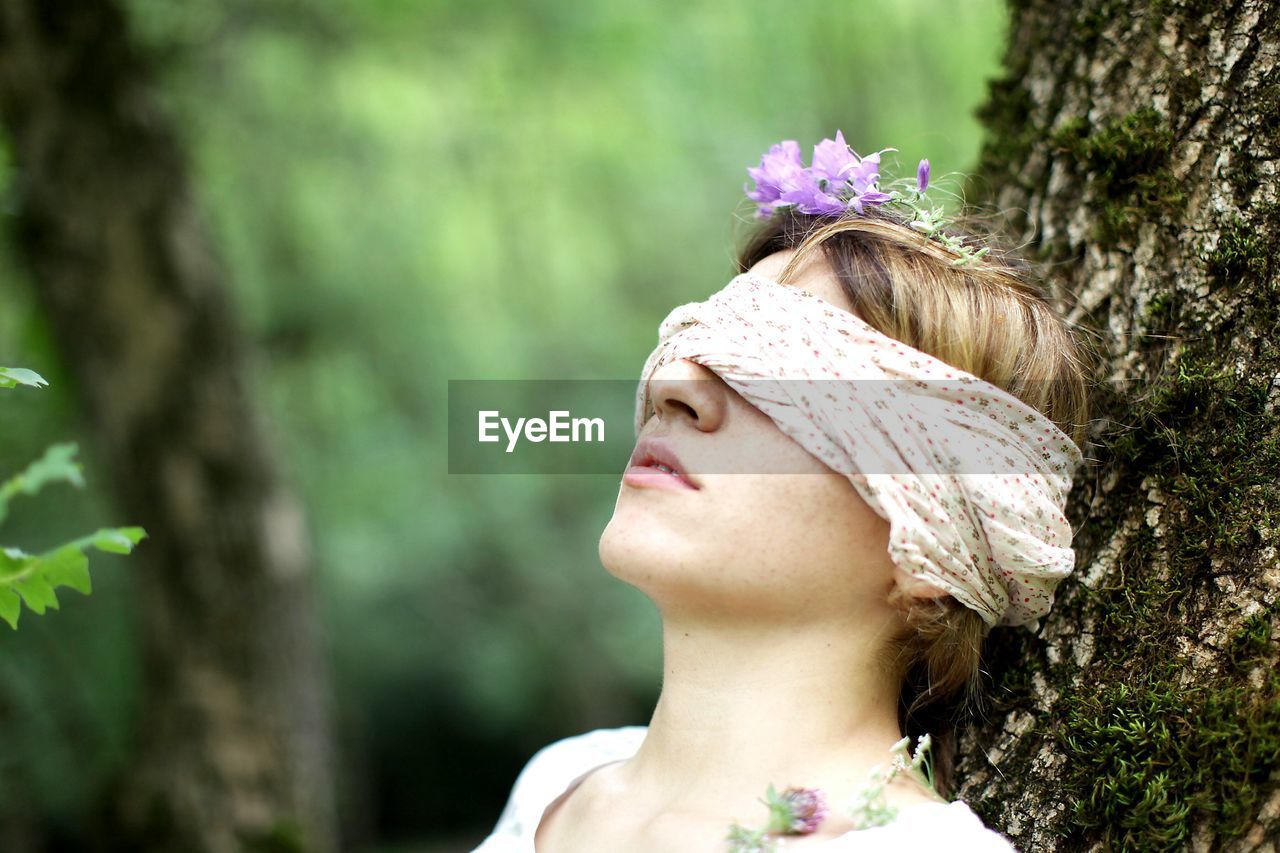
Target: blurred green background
[410, 191]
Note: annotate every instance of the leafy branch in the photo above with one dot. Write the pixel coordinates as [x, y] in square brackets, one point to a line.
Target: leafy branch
[32, 578]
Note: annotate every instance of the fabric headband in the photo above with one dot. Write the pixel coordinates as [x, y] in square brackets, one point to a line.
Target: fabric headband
[996, 540]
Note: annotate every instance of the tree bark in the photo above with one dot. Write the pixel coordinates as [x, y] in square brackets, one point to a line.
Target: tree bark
[234, 737]
[1138, 143]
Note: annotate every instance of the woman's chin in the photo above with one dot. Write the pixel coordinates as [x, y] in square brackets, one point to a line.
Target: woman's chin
[644, 554]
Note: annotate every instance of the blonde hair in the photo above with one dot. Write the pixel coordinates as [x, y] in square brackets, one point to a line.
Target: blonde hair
[992, 318]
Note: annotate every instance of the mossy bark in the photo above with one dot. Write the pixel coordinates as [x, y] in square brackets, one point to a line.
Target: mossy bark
[233, 739]
[1138, 143]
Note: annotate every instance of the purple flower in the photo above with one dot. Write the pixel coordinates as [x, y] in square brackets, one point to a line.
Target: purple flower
[868, 197]
[797, 811]
[864, 174]
[780, 170]
[810, 198]
[832, 159]
[922, 176]
[837, 180]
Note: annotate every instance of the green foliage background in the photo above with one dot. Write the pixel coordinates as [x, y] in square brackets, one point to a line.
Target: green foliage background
[405, 193]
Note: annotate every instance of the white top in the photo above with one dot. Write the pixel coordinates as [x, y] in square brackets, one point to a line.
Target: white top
[556, 768]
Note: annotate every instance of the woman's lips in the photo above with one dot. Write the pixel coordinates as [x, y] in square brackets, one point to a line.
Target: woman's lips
[650, 477]
[655, 464]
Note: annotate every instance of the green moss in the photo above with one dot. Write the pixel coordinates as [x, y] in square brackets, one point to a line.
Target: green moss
[1199, 390]
[1161, 311]
[1151, 757]
[1123, 151]
[1126, 163]
[1070, 134]
[1251, 645]
[1139, 606]
[1240, 260]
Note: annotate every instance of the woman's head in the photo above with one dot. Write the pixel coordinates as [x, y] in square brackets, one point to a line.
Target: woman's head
[990, 318]
[764, 547]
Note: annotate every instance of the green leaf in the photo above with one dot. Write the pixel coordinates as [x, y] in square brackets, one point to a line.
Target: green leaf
[36, 592]
[68, 566]
[13, 376]
[12, 562]
[10, 606]
[118, 540]
[33, 579]
[56, 465]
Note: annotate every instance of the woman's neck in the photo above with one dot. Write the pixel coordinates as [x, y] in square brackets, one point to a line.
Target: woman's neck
[806, 705]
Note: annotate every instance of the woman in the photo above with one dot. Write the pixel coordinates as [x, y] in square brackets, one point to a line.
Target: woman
[817, 605]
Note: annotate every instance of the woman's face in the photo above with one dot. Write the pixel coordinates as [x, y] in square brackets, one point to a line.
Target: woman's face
[799, 543]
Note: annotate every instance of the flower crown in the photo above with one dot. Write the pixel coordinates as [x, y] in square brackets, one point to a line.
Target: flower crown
[839, 180]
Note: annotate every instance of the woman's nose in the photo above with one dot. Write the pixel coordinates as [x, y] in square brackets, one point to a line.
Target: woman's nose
[686, 388]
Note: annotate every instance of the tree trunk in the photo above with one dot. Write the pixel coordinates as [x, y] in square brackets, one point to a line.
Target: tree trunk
[1139, 143]
[234, 738]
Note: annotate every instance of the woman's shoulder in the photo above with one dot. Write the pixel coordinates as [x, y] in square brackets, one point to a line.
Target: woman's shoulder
[553, 767]
[951, 826]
